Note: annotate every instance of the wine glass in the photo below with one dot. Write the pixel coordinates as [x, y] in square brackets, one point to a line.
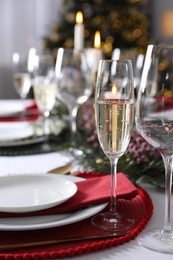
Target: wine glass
[44, 86]
[154, 121]
[74, 85]
[21, 74]
[114, 107]
[137, 62]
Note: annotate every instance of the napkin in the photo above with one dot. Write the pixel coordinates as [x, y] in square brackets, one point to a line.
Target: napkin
[91, 191]
[97, 190]
[30, 113]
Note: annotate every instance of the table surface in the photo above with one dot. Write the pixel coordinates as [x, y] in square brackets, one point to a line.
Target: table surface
[129, 251]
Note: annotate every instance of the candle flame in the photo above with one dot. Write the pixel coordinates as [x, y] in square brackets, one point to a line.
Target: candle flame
[79, 17]
[97, 40]
[114, 89]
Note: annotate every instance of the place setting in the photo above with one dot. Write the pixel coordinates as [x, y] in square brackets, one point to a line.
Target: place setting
[14, 116]
[48, 191]
[18, 110]
[12, 136]
[60, 219]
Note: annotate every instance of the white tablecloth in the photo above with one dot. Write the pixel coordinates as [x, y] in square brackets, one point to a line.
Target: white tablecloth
[129, 251]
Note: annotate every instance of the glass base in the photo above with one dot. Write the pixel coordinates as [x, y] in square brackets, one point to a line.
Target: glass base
[114, 222]
[157, 240]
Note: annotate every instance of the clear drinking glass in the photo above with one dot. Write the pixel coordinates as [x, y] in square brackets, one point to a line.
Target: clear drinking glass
[154, 121]
[74, 84]
[114, 107]
[137, 62]
[44, 86]
[21, 74]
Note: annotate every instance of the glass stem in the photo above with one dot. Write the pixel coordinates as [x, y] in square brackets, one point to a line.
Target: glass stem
[73, 124]
[113, 184]
[46, 123]
[167, 232]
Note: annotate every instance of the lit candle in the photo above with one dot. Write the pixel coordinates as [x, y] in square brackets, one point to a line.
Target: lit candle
[115, 90]
[79, 32]
[97, 40]
[114, 94]
[97, 51]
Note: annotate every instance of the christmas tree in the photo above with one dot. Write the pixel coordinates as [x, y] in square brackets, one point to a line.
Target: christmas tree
[122, 24]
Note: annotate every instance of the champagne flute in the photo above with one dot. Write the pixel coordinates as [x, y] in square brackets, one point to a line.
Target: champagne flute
[114, 107]
[74, 85]
[154, 121]
[21, 74]
[44, 86]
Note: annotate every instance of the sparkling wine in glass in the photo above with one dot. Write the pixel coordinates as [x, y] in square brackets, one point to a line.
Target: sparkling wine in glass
[114, 107]
[154, 121]
[44, 86]
[74, 85]
[21, 74]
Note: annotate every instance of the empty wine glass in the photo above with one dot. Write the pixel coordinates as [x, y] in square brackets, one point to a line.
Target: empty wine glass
[21, 74]
[137, 62]
[114, 107]
[154, 121]
[74, 85]
[44, 86]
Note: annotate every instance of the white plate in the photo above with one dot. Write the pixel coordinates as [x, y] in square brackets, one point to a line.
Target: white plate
[42, 222]
[10, 108]
[23, 142]
[10, 131]
[27, 193]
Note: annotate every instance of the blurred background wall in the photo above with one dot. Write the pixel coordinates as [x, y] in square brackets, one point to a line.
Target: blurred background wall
[22, 25]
